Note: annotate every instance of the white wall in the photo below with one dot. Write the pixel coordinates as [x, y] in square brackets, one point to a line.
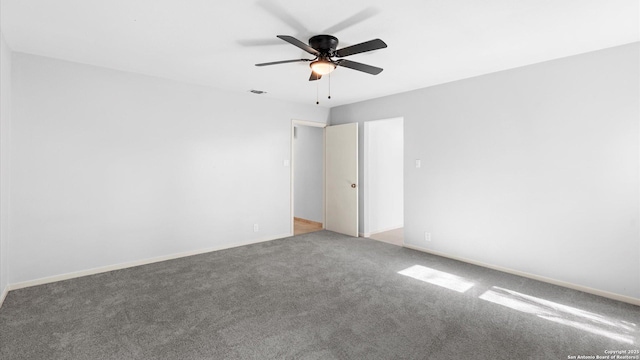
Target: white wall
[383, 170]
[5, 169]
[112, 167]
[308, 175]
[535, 169]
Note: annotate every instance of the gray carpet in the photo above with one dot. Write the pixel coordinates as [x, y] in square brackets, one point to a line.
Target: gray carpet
[313, 296]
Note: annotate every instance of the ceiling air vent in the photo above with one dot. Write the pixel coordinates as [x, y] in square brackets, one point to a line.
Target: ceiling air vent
[259, 92]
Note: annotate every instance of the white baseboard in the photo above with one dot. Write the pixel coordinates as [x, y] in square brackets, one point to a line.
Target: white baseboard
[102, 269]
[3, 295]
[606, 294]
[72, 275]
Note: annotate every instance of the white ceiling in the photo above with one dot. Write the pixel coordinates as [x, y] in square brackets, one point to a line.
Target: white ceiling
[217, 43]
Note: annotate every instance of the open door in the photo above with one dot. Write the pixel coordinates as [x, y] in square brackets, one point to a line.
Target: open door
[341, 179]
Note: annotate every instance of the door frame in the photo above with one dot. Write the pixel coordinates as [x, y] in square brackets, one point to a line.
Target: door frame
[295, 122]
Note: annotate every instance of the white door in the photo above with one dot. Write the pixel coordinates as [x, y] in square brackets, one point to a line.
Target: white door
[341, 179]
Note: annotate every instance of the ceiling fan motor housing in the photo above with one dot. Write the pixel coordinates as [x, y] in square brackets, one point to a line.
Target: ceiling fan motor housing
[325, 44]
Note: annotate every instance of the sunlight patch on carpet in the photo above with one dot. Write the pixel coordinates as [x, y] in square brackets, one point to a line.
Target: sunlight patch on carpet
[436, 277]
[619, 330]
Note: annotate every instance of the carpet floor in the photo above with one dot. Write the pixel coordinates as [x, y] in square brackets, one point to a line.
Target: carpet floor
[314, 296]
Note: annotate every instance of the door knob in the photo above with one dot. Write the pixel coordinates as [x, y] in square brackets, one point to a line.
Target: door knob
[353, 186]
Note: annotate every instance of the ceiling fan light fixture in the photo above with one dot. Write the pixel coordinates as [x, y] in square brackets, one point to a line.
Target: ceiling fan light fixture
[322, 67]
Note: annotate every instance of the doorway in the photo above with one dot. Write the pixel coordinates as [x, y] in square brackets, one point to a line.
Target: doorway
[307, 177]
[384, 180]
[339, 178]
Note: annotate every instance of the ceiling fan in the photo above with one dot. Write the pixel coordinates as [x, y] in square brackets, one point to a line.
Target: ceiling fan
[323, 47]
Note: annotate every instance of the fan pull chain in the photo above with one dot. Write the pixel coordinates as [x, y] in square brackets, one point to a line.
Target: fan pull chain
[329, 86]
[317, 91]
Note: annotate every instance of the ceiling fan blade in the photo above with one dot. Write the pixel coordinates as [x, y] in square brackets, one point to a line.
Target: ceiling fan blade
[314, 76]
[360, 67]
[352, 20]
[281, 13]
[362, 47]
[293, 41]
[258, 42]
[281, 62]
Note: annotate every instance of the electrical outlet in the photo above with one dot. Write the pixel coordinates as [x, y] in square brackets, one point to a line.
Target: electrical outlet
[418, 163]
[255, 228]
[427, 236]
